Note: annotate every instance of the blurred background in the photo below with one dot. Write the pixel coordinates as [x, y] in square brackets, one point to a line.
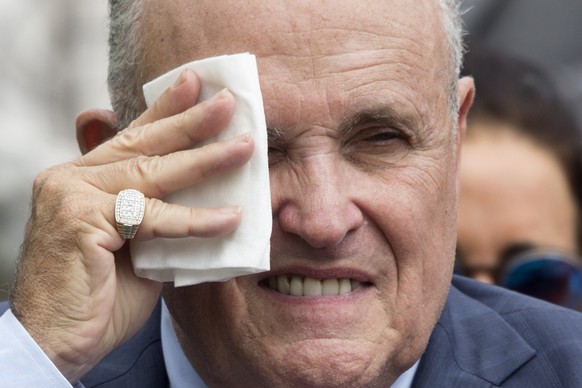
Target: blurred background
[53, 63]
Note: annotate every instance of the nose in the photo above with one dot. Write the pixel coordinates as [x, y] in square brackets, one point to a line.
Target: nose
[315, 202]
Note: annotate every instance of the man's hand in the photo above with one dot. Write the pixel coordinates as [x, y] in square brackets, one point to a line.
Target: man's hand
[75, 290]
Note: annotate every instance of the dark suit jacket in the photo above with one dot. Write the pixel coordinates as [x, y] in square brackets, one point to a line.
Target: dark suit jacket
[486, 337]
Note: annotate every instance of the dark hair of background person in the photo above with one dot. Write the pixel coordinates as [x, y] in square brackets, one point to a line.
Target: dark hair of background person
[527, 95]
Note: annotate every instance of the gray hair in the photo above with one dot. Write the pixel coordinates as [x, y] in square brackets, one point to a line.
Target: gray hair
[453, 30]
[125, 75]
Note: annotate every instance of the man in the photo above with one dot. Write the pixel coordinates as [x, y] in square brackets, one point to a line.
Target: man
[365, 115]
[521, 193]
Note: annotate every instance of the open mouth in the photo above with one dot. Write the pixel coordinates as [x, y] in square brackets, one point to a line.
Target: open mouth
[295, 285]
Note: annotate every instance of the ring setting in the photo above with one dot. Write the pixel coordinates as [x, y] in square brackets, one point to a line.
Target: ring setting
[129, 211]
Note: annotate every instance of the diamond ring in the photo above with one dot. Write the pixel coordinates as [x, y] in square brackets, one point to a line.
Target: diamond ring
[129, 210]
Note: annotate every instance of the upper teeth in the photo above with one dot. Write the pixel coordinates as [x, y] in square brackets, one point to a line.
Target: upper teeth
[305, 286]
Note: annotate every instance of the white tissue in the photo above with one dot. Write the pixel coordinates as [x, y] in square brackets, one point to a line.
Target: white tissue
[189, 261]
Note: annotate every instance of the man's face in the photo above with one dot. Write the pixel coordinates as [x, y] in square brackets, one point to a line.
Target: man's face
[363, 171]
[513, 192]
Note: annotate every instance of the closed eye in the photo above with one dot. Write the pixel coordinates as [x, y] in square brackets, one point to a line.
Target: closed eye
[383, 136]
[378, 136]
[377, 146]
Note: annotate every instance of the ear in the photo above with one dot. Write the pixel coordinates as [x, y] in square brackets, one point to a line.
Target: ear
[465, 95]
[94, 127]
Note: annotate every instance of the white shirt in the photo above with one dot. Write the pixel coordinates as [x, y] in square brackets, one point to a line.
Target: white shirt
[22, 361]
[24, 364]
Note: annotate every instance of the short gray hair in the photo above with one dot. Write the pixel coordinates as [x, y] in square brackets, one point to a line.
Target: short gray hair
[453, 31]
[125, 75]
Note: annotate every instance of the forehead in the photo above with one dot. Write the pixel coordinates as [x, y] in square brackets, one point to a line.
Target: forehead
[336, 53]
[183, 30]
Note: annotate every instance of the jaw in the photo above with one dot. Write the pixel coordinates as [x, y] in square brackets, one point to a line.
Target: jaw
[266, 337]
[330, 363]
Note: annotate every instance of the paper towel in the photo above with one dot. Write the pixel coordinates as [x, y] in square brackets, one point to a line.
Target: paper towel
[189, 261]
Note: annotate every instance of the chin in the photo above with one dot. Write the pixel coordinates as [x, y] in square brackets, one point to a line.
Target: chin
[328, 363]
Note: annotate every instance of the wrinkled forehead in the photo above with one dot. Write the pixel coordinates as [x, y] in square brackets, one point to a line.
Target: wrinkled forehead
[183, 30]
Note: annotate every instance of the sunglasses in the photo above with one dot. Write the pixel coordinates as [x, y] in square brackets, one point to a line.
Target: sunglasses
[545, 274]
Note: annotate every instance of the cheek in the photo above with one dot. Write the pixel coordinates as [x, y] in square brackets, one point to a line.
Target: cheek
[415, 208]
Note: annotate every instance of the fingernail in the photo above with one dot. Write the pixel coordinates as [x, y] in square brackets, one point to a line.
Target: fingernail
[181, 79]
[242, 138]
[221, 94]
[230, 210]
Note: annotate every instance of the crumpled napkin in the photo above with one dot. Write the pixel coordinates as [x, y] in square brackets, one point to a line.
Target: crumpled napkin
[189, 261]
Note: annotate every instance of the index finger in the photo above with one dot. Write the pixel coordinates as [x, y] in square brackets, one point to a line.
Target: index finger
[179, 97]
[175, 100]
[182, 131]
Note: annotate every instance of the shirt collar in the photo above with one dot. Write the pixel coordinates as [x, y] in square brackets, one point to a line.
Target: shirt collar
[180, 372]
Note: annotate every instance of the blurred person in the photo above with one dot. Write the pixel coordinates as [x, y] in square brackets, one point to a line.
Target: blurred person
[366, 113]
[521, 188]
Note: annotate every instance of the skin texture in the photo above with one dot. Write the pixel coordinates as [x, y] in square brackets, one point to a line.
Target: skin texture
[513, 191]
[363, 167]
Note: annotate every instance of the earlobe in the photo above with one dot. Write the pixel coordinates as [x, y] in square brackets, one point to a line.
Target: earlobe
[94, 127]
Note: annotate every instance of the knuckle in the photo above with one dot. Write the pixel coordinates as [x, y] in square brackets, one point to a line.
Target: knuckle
[177, 125]
[49, 182]
[156, 208]
[135, 123]
[186, 124]
[146, 168]
[39, 181]
[126, 141]
[181, 120]
[56, 201]
[60, 191]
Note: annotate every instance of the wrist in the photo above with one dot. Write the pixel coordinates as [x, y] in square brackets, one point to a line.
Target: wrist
[70, 354]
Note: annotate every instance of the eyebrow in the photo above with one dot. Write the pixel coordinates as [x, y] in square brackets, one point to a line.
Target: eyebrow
[383, 114]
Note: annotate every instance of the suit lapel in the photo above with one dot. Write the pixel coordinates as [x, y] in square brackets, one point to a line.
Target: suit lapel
[471, 345]
[137, 363]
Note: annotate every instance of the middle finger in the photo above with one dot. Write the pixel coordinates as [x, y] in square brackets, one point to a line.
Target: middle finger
[158, 176]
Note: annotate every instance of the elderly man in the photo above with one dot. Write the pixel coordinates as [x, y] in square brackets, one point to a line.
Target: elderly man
[365, 115]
